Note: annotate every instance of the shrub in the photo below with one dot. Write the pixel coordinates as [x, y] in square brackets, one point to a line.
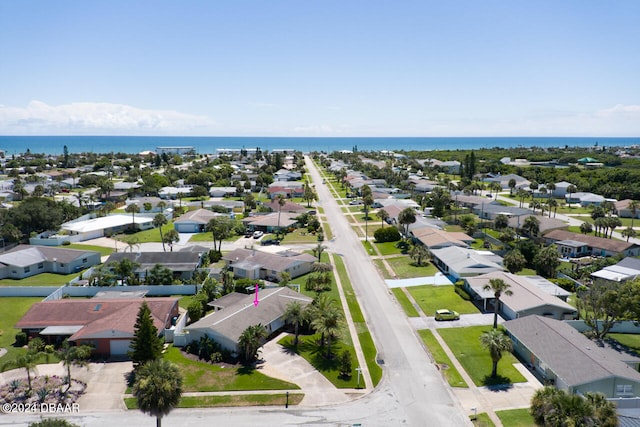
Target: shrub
[461, 291]
[565, 284]
[344, 364]
[21, 339]
[386, 234]
[195, 310]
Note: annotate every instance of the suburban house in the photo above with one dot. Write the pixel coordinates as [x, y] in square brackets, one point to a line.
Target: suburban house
[230, 205]
[627, 269]
[288, 206]
[195, 221]
[562, 356]
[545, 223]
[288, 189]
[584, 199]
[503, 180]
[458, 263]
[254, 264]
[434, 238]
[155, 204]
[271, 222]
[531, 295]
[572, 245]
[174, 192]
[236, 312]
[94, 228]
[182, 264]
[222, 191]
[490, 211]
[106, 324]
[624, 211]
[286, 175]
[25, 261]
[560, 190]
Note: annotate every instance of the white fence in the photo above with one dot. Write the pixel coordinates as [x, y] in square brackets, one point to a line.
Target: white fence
[55, 292]
[623, 327]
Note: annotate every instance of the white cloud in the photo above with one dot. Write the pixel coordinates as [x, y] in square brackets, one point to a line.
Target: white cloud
[39, 118]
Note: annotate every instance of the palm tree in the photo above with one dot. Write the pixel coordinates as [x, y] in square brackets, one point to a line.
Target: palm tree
[383, 215]
[329, 323]
[497, 343]
[571, 189]
[158, 388]
[629, 232]
[551, 407]
[28, 361]
[295, 314]
[512, 185]
[281, 202]
[172, 237]
[318, 250]
[73, 355]
[133, 208]
[531, 226]
[634, 205]
[418, 252]
[158, 221]
[250, 341]
[285, 278]
[498, 287]
[553, 204]
[406, 217]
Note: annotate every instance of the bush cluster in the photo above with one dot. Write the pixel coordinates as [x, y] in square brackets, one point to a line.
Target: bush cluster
[386, 234]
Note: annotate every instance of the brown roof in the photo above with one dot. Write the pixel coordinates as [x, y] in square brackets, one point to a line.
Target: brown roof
[431, 237]
[96, 314]
[544, 223]
[287, 207]
[593, 241]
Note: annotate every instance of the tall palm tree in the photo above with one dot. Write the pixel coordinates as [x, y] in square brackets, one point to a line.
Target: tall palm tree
[171, 237]
[158, 221]
[496, 342]
[383, 215]
[406, 217]
[318, 250]
[281, 202]
[158, 388]
[295, 314]
[634, 205]
[250, 341]
[132, 208]
[571, 189]
[418, 253]
[531, 226]
[498, 287]
[329, 324]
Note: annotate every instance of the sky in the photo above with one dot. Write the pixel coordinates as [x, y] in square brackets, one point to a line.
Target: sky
[320, 68]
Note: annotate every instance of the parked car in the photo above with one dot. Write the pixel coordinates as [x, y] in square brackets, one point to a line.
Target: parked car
[445, 314]
[266, 242]
[258, 234]
[248, 234]
[355, 202]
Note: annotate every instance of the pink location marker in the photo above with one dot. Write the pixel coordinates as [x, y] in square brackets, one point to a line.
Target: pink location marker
[256, 301]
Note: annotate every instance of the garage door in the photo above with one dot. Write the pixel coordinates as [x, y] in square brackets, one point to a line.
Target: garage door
[119, 347]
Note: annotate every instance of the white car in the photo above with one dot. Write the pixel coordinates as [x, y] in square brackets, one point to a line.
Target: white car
[257, 234]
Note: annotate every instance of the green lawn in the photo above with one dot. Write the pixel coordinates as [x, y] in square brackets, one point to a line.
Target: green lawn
[431, 298]
[147, 236]
[405, 302]
[446, 367]
[482, 420]
[278, 399]
[42, 279]
[201, 376]
[12, 309]
[103, 250]
[404, 269]
[366, 342]
[516, 418]
[315, 355]
[206, 237]
[629, 340]
[465, 345]
[298, 236]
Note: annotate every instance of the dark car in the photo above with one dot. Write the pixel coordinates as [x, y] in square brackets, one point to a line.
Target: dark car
[266, 242]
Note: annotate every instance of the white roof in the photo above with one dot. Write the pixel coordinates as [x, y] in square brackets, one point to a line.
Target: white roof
[105, 222]
[616, 273]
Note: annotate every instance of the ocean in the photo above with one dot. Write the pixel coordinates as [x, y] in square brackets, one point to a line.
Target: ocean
[204, 145]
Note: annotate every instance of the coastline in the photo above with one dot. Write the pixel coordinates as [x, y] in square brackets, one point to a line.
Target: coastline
[54, 145]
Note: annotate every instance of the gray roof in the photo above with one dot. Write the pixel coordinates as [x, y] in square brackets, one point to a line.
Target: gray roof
[525, 295]
[570, 355]
[629, 262]
[199, 216]
[252, 258]
[174, 261]
[234, 319]
[468, 261]
[23, 255]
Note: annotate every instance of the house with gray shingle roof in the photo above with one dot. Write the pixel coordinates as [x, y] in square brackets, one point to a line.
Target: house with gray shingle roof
[195, 221]
[25, 261]
[182, 264]
[563, 356]
[531, 295]
[458, 263]
[255, 264]
[237, 312]
[572, 244]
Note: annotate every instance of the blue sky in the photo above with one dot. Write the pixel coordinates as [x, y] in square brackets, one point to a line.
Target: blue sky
[320, 68]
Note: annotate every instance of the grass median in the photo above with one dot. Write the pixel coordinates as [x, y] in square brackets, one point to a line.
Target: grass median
[440, 357]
